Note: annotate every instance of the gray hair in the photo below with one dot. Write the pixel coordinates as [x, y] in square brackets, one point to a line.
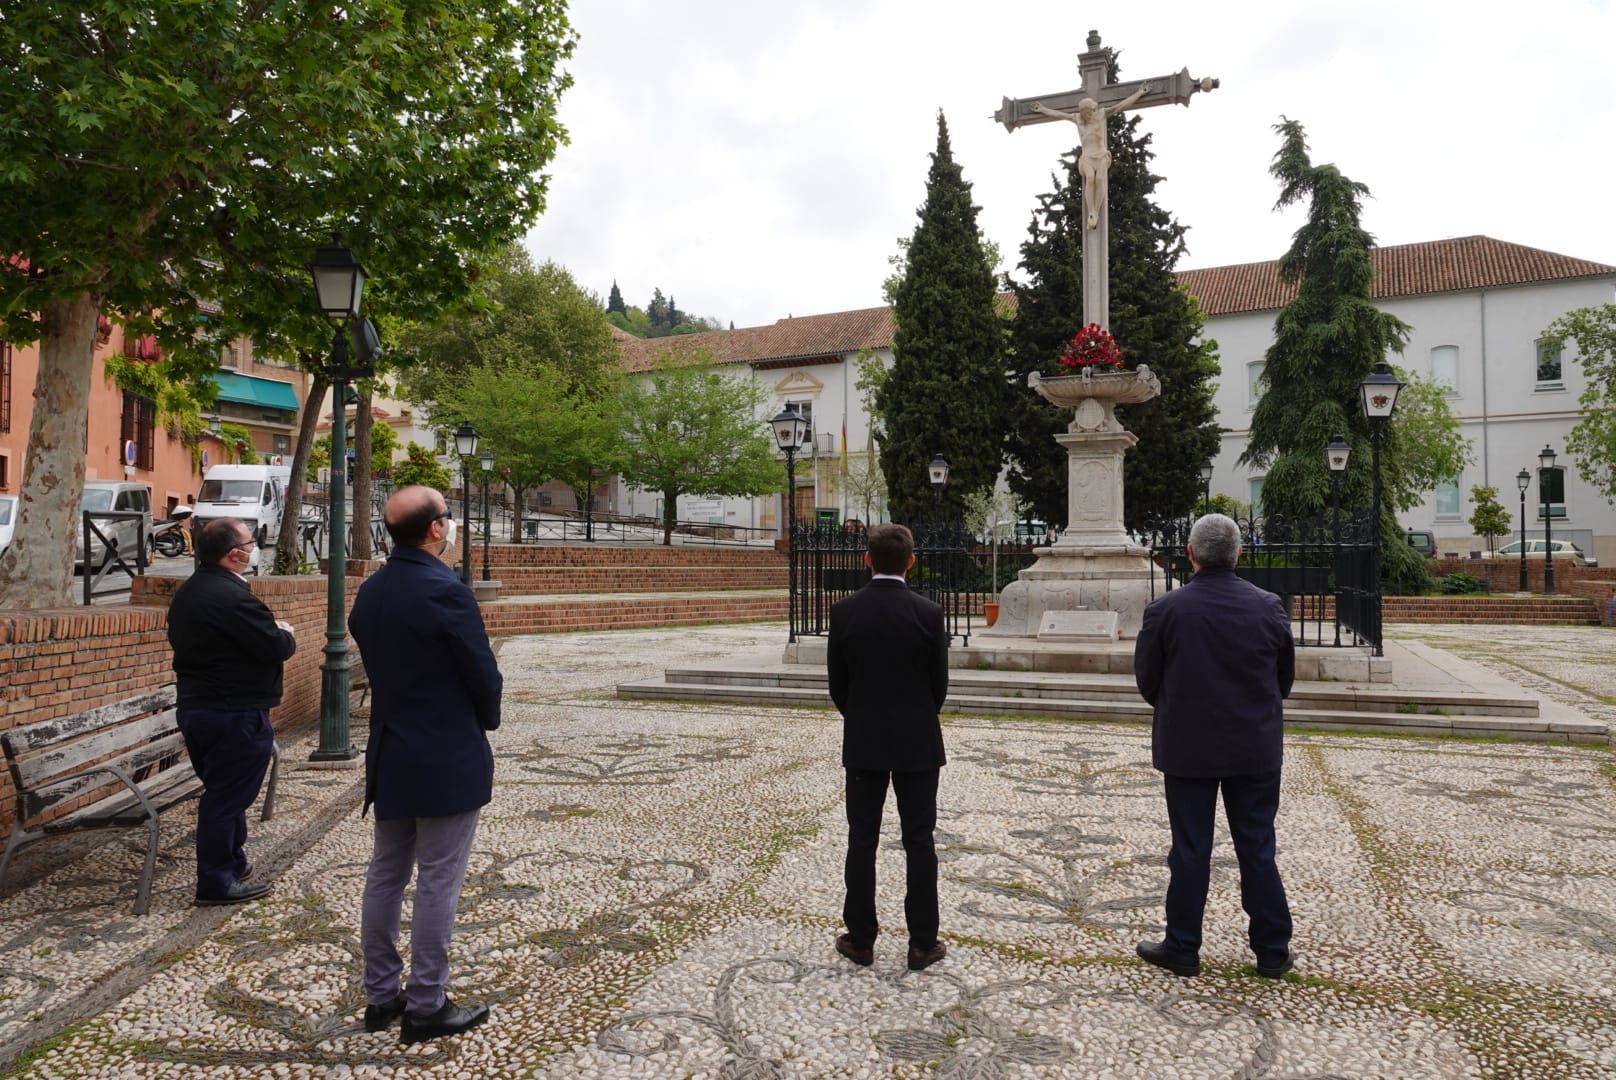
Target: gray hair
[1216, 540]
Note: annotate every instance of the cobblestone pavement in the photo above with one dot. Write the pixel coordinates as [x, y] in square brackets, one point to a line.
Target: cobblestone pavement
[656, 888]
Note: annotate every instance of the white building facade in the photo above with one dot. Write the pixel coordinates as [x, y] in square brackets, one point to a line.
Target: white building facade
[1476, 308]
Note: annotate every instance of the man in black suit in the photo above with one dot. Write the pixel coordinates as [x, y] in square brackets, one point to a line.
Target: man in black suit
[429, 770]
[1216, 659]
[888, 666]
[229, 650]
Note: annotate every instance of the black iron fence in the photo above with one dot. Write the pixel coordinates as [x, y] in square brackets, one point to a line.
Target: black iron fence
[1327, 572]
[951, 567]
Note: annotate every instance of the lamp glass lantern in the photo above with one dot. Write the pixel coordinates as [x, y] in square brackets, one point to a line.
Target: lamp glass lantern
[465, 440]
[1380, 390]
[339, 281]
[1545, 458]
[790, 429]
[1206, 471]
[1337, 453]
[1523, 480]
[486, 460]
[937, 472]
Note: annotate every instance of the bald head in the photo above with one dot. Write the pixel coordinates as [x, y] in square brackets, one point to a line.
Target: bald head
[411, 513]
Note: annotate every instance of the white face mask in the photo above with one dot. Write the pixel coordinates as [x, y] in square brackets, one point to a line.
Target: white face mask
[450, 531]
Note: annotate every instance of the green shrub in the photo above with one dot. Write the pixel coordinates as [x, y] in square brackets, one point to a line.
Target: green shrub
[1458, 584]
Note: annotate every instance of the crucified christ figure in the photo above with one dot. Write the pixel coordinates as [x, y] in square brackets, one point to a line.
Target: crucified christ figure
[1095, 159]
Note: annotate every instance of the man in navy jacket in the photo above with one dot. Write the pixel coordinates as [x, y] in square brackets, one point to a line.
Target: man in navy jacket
[429, 770]
[229, 650]
[888, 666]
[1216, 660]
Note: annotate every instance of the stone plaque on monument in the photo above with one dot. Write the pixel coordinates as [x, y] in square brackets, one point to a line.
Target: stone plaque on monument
[1079, 626]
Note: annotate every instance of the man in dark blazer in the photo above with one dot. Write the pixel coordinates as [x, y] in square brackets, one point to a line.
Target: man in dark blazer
[1216, 660]
[229, 650]
[888, 666]
[429, 770]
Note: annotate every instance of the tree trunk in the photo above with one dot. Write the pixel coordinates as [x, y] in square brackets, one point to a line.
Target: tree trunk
[288, 557]
[37, 571]
[670, 502]
[516, 513]
[361, 482]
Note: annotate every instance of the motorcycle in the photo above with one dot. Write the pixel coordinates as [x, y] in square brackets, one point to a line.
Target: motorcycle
[171, 538]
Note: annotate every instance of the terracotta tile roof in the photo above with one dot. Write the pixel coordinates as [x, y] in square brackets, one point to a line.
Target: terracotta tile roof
[789, 339]
[1437, 266]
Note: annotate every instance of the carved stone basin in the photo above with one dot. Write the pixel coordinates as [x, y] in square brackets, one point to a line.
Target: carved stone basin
[1113, 387]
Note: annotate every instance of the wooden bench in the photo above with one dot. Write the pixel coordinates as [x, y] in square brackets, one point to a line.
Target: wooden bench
[128, 758]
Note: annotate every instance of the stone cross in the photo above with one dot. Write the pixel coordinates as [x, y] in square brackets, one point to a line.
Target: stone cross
[1088, 107]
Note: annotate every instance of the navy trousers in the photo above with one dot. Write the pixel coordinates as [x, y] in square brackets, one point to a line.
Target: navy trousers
[230, 751]
[1250, 803]
[917, 819]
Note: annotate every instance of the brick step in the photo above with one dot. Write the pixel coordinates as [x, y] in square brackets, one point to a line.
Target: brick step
[623, 556]
[526, 616]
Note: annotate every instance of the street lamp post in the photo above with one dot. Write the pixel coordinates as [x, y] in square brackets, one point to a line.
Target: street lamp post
[486, 460]
[465, 440]
[1336, 453]
[1545, 460]
[1523, 480]
[339, 283]
[1379, 390]
[790, 431]
[1206, 486]
[937, 473]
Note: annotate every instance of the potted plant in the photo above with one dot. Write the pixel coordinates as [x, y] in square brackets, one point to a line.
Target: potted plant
[992, 515]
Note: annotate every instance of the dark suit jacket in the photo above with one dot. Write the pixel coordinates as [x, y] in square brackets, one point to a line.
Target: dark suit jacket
[435, 689]
[888, 664]
[228, 652]
[1216, 660]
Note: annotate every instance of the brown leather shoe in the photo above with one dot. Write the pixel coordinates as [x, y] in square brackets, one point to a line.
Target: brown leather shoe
[862, 955]
[921, 959]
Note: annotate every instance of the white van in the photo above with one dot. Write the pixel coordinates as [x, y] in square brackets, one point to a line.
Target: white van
[255, 494]
[122, 495]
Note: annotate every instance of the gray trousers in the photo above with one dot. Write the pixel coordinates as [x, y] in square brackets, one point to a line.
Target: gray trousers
[440, 848]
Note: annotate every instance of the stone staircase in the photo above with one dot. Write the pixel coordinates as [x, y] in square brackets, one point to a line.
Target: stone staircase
[1316, 706]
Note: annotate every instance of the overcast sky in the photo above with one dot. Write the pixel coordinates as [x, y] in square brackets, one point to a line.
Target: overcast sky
[757, 160]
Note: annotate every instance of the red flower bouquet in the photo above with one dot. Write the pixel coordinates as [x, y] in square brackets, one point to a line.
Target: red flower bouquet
[1093, 346]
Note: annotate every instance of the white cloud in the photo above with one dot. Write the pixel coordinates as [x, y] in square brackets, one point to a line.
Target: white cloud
[759, 160]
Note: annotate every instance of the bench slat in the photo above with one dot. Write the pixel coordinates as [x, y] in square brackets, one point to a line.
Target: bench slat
[70, 757]
[25, 739]
[121, 808]
[133, 763]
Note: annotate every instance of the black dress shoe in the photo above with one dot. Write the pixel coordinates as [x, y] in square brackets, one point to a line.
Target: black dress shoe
[246, 873]
[381, 1017]
[238, 893]
[921, 959]
[1156, 952]
[1274, 971]
[452, 1019]
[862, 955]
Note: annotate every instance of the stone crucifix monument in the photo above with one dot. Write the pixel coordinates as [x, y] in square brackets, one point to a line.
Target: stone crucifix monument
[1094, 582]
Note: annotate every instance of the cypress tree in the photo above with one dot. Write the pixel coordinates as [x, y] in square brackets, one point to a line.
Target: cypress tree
[614, 302]
[945, 393]
[1154, 322]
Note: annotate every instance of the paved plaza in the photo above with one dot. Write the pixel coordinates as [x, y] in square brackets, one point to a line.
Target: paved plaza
[656, 888]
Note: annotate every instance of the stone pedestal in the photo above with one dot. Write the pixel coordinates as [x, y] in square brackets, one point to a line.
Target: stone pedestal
[1095, 565]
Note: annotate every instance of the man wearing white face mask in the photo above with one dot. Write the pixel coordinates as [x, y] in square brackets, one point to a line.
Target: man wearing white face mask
[429, 770]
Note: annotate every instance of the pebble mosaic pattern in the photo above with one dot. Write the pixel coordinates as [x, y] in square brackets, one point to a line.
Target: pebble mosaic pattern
[656, 887]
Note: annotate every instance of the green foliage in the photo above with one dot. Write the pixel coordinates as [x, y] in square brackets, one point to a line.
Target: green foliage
[1593, 438]
[161, 155]
[1153, 320]
[614, 300]
[1489, 519]
[945, 393]
[993, 512]
[238, 445]
[1326, 341]
[383, 442]
[696, 429]
[420, 466]
[1460, 584]
[1227, 505]
[866, 487]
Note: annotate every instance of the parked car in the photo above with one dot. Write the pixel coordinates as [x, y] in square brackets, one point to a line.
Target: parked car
[8, 520]
[114, 495]
[1422, 542]
[1564, 551]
